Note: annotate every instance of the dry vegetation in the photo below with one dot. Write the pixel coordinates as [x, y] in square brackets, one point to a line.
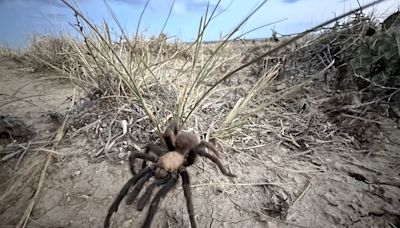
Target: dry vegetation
[310, 99]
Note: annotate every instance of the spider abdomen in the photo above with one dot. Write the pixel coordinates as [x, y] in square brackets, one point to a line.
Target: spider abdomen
[171, 161]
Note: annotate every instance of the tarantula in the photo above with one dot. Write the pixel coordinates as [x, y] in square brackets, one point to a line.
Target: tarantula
[180, 151]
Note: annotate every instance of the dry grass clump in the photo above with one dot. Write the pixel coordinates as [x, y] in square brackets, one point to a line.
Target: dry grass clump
[49, 52]
[165, 48]
[166, 79]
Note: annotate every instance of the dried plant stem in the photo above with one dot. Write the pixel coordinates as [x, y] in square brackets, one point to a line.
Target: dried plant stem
[302, 193]
[28, 211]
[366, 120]
[241, 184]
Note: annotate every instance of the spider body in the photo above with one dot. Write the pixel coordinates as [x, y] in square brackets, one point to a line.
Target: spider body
[168, 163]
[171, 161]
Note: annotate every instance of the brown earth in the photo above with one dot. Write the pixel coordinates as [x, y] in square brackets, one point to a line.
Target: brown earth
[277, 185]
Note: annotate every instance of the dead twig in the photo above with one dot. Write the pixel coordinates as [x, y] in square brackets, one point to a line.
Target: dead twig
[302, 193]
[22, 155]
[28, 211]
[241, 184]
[365, 119]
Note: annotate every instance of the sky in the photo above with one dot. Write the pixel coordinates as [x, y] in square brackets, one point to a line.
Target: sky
[19, 19]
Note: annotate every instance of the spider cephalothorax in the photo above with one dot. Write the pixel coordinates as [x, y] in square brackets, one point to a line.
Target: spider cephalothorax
[180, 151]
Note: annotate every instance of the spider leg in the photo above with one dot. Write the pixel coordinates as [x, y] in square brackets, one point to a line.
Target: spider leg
[200, 151]
[134, 155]
[147, 194]
[170, 135]
[157, 198]
[209, 146]
[122, 194]
[188, 196]
[138, 187]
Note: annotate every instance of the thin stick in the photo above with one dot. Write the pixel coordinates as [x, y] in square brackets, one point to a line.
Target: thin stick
[25, 217]
[365, 119]
[23, 98]
[50, 151]
[302, 194]
[241, 184]
[60, 133]
[22, 155]
[253, 147]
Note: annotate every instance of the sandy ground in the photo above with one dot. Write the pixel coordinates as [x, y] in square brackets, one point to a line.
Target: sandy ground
[275, 187]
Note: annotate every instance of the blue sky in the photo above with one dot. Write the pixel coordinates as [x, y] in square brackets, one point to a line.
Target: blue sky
[20, 18]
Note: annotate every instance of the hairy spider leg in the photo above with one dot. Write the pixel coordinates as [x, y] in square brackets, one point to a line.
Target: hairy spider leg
[171, 131]
[157, 198]
[147, 194]
[188, 196]
[138, 187]
[134, 155]
[122, 194]
[209, 146]
[200, 151]
[191, 157]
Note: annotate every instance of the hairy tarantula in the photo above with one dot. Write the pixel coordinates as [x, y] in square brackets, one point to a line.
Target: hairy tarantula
[168, 162]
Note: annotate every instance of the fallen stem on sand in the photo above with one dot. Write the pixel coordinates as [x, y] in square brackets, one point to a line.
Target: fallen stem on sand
[60, 134]
[241, 184]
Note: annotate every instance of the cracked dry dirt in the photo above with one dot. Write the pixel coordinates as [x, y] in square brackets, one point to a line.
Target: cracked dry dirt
[275, 187]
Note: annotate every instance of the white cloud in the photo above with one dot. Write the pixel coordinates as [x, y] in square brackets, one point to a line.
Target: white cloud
[180, 7]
